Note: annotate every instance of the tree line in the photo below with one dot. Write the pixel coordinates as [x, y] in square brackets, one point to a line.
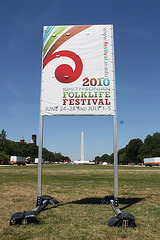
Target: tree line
[135, 151]
[10, 148]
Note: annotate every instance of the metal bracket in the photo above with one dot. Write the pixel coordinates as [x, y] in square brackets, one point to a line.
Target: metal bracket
[31, 217]
[121, 219]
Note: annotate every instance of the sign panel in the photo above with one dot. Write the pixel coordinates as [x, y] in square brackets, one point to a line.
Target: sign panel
[77, 74]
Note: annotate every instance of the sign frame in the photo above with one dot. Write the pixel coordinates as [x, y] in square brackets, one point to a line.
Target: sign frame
[41, 118]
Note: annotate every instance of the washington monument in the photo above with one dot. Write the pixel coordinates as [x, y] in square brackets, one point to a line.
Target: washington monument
[82, 146]
[82, 161]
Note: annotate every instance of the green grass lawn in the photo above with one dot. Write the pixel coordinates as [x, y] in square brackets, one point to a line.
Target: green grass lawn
[79, 189]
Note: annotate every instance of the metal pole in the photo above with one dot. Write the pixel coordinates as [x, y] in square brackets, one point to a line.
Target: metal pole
[115, 156]
[40, 141]
[115, 130]
[40, 160]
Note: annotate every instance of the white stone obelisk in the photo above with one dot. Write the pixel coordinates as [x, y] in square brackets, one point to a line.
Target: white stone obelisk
[82, 146]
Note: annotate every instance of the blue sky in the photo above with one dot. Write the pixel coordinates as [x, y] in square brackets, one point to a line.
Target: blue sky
[137, 54]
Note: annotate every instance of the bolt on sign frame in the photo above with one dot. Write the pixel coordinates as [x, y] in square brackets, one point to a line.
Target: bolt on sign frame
[78, 78]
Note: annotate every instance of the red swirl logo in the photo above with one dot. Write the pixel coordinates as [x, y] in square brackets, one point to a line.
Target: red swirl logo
[64, 72]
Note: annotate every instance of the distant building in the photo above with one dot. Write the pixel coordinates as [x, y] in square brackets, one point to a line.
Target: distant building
[22, 139]
[34, 139]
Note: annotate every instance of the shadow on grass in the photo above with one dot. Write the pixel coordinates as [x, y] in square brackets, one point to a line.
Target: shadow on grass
[96, 201]
[129, 202]
[87, 201]
[125, 201]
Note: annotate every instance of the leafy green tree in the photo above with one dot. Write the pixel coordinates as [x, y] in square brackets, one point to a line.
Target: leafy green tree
[111, 158]
[47, 155]
[58, 157]
[3, 137]
[132, 150]
[30, 150]
[4, 158]
[122, 159]
[10, 147]
[105, 158]
[151, 146]
[97, 159]
[22, 149]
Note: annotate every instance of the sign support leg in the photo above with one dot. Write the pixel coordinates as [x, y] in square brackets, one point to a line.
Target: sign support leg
[39, 194]
[121, 219]
[115, 160]
[115, 130]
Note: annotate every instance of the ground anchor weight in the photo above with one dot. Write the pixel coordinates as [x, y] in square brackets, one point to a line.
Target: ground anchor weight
[121, 219]
[31, 217]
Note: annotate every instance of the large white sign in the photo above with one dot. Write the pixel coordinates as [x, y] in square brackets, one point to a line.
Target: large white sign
[78, 70]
